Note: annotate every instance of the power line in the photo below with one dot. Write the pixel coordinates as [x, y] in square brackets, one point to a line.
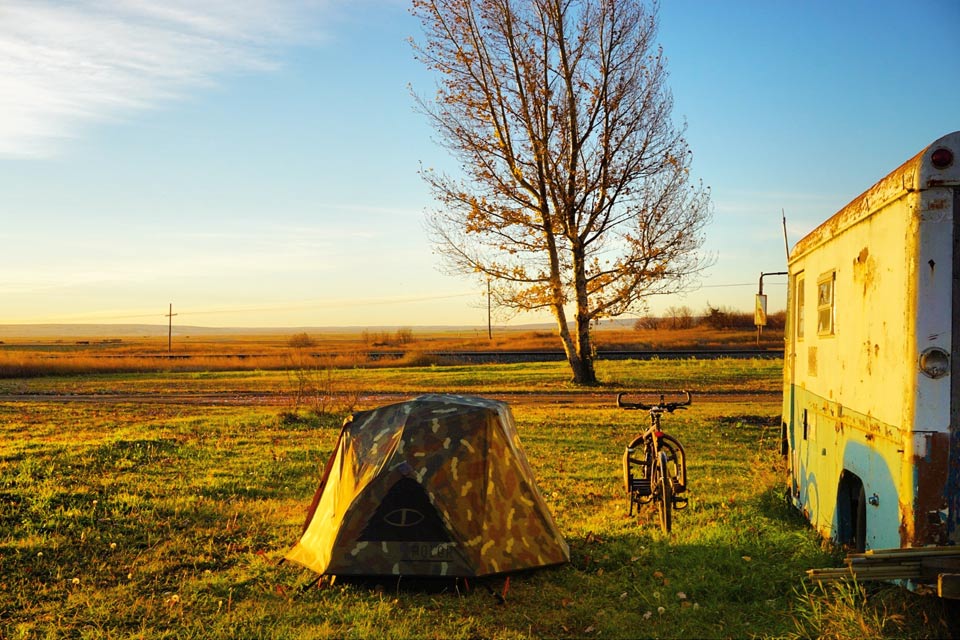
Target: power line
[736, 284]
[307, 305]
[301, 306]
[334, 304]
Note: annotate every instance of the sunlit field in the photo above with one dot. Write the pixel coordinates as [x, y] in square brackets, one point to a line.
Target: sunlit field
[128, 516]
[29, 357]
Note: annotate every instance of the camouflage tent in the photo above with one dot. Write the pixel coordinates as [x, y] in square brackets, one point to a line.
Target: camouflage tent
[436, 486]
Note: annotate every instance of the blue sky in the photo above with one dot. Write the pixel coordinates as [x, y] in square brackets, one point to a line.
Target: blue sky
[255, 163]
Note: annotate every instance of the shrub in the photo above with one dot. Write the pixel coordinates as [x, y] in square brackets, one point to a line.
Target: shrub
[301, 341]
[726, 318]
[647, 322]
[777, 320]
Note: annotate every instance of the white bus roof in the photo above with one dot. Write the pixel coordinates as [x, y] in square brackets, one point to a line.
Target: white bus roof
[916, 174]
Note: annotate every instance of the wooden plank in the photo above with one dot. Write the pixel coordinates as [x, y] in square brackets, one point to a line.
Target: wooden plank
[943, 564]
[912, 552]
[916, 563]
[948, 585]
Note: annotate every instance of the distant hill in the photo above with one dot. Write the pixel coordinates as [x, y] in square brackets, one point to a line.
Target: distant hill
[160, 330]
[101, 330]
[150, 330]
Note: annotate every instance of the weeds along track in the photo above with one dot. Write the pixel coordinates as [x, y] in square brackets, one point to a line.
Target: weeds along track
[365, 399]
[228, 398]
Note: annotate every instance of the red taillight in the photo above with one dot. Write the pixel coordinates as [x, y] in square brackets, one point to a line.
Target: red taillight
[942, 158]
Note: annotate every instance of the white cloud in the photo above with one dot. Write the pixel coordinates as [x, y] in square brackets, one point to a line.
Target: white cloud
[116, 268]
[37, 258]
[63, 65]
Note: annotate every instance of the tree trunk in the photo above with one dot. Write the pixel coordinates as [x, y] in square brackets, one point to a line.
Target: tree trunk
[579, 359]
[582, 368]
[569, 348]
[583, 371]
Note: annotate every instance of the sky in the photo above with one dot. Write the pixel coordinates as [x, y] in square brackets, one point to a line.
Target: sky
[255, 163]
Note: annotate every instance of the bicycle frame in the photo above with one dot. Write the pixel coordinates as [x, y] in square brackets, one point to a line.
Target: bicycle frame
[660, 454]
[653, 439]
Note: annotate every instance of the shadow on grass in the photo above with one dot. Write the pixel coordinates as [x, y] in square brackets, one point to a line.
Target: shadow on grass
[774, 503]
[495, 587]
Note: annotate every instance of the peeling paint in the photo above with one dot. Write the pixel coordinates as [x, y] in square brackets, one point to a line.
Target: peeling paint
[931, 460]
[859, 413]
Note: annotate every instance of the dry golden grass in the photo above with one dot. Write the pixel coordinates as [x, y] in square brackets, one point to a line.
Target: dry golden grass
[26, 358]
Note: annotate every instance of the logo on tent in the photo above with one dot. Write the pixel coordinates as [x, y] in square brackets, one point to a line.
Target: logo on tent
[405, 515]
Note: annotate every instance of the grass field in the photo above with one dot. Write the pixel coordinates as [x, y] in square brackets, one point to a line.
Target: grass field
[35, 357]
[141, 519]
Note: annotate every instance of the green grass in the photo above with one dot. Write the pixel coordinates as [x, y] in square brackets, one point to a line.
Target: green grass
[720, 375]
[170, 520]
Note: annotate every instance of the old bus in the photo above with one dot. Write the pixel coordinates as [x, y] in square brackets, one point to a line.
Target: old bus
[871, 408]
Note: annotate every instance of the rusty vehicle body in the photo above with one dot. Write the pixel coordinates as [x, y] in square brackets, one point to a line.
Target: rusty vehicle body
[871, 409]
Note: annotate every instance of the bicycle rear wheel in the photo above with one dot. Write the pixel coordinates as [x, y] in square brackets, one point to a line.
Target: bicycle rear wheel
[635, 473]
[665, 491]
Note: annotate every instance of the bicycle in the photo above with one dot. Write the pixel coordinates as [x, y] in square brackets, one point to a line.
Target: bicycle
[655, 464]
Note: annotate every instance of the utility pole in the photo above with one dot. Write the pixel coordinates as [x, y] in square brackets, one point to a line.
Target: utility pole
[489, 321]
[170, 315]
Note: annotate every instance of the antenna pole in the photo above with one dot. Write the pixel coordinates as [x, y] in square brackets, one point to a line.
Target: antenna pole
[786, 245]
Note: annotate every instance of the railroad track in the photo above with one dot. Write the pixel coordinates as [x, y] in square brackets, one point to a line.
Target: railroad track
[363, 399]
[474, 357]
[479, 357]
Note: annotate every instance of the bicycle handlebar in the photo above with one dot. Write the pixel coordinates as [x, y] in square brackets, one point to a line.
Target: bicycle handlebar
[669, 407]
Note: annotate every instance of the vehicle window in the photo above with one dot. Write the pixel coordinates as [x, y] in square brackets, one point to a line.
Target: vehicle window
[825, 304]
[798, 296]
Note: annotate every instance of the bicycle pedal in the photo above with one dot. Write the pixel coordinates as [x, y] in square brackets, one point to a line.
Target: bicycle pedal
[640, 486]
[679, 504]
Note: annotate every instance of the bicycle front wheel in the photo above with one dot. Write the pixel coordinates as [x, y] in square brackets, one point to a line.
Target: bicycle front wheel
[665, 491]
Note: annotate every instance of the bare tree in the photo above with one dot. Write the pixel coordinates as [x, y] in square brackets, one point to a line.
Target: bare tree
[575, 194]
[680, 317]
[301, 370]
